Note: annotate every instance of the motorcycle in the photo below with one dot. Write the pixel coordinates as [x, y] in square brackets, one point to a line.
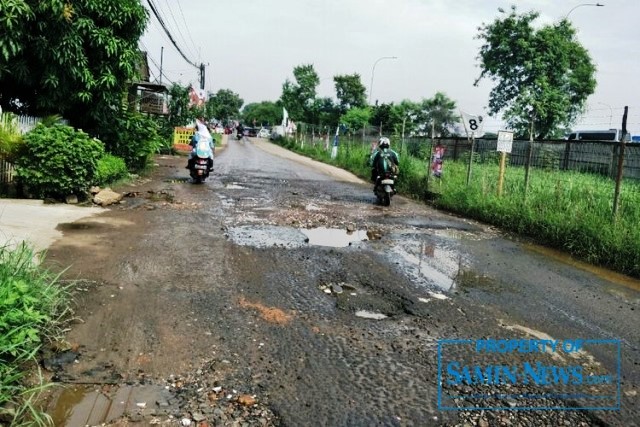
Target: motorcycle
[385, 188]
[201, 162]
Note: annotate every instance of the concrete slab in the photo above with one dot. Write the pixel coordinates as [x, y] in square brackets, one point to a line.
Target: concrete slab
[35, 222]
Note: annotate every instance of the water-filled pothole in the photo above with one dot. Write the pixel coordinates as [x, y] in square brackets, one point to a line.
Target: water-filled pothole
[288, 237]
[333, 237]
[370, 315]
[234, 186]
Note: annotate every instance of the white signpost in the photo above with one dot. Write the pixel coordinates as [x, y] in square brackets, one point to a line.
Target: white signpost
[505, 143]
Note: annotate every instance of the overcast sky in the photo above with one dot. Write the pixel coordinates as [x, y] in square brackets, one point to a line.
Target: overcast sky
[252, 46]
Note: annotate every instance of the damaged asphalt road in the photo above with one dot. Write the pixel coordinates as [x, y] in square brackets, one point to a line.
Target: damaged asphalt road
[279, 294]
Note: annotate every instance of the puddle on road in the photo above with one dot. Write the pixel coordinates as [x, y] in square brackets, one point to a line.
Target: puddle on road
[81, 405]
[332, 237]
[370, 315]
[428, 264]
[288, 237]
[234, 186]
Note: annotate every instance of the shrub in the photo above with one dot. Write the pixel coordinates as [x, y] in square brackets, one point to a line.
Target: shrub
[132, 137]
[110, 169]
[57, 161]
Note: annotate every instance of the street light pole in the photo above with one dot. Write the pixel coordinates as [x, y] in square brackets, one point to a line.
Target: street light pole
[373, 70]
[610, 113]
[580, 5]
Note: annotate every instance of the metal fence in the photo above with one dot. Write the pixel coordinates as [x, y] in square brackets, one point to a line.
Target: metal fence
[527, 159]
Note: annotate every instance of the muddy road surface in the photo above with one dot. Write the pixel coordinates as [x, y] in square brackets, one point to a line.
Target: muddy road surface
[278, 293]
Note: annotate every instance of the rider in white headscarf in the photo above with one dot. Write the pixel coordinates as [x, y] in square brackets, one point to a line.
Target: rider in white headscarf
[205, 148]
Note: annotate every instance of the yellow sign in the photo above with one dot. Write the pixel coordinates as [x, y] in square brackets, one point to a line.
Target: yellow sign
[182, 135]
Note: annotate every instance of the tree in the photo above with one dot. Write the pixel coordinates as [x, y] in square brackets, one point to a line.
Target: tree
[298, 97]
[325, 112]
[407, 113]
[266, 113]
[356, 118]
[439, 114]
[386, 117]
[73, 58]
[350, 91]
[224, 105]
[544, 76]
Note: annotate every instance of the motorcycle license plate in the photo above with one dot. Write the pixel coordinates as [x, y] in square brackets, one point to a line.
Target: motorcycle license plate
[386, 182]
[203, 167]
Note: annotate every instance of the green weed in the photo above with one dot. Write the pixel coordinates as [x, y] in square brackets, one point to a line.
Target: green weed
[32, 309]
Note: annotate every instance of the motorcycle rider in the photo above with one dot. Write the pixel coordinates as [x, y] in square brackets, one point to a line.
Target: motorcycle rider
[201, 132]
[383, 159]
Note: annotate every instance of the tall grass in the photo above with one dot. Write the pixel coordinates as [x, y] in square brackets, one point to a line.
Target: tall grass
[567, 210]
[32, 308]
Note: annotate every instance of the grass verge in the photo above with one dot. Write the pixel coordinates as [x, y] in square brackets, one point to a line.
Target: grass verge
[32, 309]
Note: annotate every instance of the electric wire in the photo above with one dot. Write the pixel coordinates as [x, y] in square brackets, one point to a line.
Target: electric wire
[166, 30]
[191, 48]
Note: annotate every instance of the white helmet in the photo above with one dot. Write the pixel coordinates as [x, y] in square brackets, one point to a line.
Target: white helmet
[384, 142]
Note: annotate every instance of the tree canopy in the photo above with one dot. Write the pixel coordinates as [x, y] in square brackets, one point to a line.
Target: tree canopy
[73, 58]
[543, 76]
[298, 97]
[224, 105]
[266, 113]
[350, 91]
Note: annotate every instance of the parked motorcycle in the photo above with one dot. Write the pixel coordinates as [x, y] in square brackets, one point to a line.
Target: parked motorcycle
[385, 188]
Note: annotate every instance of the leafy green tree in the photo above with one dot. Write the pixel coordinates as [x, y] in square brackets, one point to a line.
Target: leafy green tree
[324, 112]
[298, 97]
[439, 114]
[386, 117]
[544, 76]
[356, 118]
[224, 105]
[350, 92]
[73, 58]
[407, 113]
[265, 113]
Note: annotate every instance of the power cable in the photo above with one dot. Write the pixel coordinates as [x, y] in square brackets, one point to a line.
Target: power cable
[166, 30]
[185, 24]
[191, 49]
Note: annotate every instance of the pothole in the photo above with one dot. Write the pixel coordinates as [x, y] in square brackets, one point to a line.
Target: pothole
[289, 237]
[428, 264]
[82, 405]
[234, 186]
[333, 237]
[365, 314]
[179, 180]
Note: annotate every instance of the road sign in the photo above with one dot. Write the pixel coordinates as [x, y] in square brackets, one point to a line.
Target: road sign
[505, 141]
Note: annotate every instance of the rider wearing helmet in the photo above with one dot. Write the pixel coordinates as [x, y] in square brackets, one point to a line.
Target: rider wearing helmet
[383, 159]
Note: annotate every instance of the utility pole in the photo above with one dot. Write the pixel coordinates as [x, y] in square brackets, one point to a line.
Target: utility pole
[161, 58]
[202, 76]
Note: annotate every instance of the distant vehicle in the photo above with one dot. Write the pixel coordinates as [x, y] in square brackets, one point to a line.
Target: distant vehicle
[634, 138]
[264, 133]
[250, 132]
[218, 129]
[277, 132]
[596, 135]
